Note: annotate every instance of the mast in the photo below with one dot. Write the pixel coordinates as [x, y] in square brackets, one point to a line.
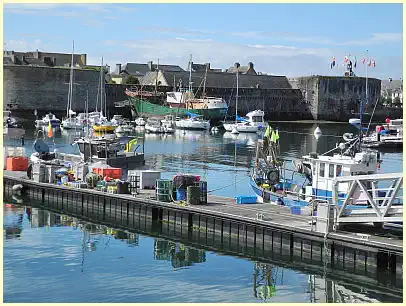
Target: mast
[70, 92]
[366, 96]
[236, 100]
[101, 88]
[204, 84]
[190, 74]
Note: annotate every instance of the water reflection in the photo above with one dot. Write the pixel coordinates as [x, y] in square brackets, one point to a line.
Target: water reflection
[85, 245]
[177, 253]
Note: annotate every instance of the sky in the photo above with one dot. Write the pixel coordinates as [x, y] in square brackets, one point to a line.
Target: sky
[280, 39]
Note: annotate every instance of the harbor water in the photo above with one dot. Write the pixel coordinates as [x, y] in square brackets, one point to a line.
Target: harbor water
[51, 257]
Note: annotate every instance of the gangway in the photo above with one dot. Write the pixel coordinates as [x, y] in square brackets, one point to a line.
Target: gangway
[380, 194]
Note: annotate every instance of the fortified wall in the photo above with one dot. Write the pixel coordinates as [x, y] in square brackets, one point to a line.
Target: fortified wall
[45, 89]
[337, 98]
[29, 88]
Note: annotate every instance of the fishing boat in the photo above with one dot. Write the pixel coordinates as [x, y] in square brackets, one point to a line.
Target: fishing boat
[111, 150]
[140, 121]
[47, 120]
[124, 128]
[193, 122]
[155, 125]
[387, 135]
[310, 180]
[11, 127]
[180, 102]
[104, 127]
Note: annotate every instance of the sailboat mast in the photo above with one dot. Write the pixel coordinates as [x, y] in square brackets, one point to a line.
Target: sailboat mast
[204, 84]
[190, 74]
[70, 93]
[236, 100]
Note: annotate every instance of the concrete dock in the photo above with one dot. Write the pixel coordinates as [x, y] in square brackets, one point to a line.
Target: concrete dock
[223, 222]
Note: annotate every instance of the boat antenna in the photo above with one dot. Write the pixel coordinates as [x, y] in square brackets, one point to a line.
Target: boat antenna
[204, 84]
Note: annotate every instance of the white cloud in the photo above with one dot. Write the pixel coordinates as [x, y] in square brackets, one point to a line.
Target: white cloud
[374, 38]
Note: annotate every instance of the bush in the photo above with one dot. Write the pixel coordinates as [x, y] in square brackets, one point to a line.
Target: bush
[131, 80]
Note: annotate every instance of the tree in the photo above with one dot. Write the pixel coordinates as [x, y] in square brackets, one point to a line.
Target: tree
[131, 80]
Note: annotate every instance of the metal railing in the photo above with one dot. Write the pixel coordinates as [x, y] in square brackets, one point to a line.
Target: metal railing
[380, 194]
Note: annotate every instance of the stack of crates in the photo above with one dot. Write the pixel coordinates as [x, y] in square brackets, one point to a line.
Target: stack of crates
[114, 173]
[203, 191]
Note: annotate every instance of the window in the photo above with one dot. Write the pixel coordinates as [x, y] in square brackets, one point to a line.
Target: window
[338, 170]
[331, 170]
[322, 166]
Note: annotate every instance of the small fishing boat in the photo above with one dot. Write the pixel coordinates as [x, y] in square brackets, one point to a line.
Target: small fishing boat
[140, 121]
[155, 125]
[310, 179]
[194, 122]
[48, 119]
[387, 135]
[104, 127]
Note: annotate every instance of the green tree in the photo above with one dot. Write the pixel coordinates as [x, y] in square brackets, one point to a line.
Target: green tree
[131, 80]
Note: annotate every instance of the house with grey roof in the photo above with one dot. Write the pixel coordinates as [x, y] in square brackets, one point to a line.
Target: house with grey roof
[249, 69]
[214, 79]
[139, 70]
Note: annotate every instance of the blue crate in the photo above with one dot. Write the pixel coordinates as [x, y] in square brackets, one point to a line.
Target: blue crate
[245, 199]
[295, 210]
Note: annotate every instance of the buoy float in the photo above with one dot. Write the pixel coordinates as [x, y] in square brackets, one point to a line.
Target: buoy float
[317, 133]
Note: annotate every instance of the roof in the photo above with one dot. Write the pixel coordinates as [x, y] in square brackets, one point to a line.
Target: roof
[219, 80]
[241, 69]
[393, 85]
[141, 69]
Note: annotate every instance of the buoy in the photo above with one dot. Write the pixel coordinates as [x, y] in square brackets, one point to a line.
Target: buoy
[317, 133]
[17, 189]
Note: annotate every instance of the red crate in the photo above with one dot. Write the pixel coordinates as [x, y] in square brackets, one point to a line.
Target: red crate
[17, 163]
[109, 172]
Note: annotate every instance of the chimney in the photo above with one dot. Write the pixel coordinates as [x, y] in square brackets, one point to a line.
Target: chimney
[250, 65]
[36, 54]
[150, 65]
[118, 68]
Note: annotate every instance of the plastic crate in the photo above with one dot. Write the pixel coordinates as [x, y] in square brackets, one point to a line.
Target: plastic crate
[295, 210]
[245, 199]
[17, 164]
[114, 173]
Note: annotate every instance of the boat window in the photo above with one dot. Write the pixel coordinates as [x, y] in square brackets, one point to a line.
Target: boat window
[322, 168]
[331, 170]
[256, 119]
[339, 170]
[314, 168]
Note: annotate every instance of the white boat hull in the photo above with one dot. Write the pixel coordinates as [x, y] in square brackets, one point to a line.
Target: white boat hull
[193, 124]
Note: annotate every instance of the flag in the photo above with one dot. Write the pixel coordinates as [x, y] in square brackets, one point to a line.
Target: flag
[273, 137]
[268, 131]
[346, 59]
[373, 63]
[363, 60]
[50, 132]
[355, 64]
[130, 144]
[369, 63]
[333, 62]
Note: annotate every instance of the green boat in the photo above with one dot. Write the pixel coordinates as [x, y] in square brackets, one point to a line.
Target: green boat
[144, 107]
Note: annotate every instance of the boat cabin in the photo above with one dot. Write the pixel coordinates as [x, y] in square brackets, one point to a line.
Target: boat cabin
[324, 169]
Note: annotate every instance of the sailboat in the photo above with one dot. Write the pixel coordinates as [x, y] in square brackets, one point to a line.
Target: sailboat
[240, 125]
[71, 122]
[100, 123]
